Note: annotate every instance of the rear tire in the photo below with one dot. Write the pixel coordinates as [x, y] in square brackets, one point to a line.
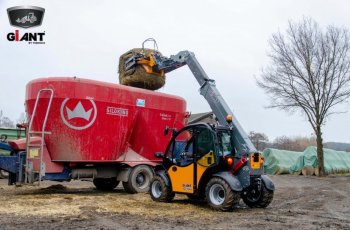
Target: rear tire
[139, 179]
[220, 196]
[257, 199]
[159, 191]
[105, 184]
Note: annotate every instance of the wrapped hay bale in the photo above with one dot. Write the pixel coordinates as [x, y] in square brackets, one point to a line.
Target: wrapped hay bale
[139, 77]
[308, 170]
[317, 171]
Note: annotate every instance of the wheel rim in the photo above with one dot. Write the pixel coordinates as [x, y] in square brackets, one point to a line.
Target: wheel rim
[253, 195]
[156, 189]
[217, 194]
[142, 180]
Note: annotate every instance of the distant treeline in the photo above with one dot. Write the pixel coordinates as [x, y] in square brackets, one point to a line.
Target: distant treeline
[261, 141]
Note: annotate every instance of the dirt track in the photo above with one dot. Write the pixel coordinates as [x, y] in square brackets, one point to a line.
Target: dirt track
[299, 203]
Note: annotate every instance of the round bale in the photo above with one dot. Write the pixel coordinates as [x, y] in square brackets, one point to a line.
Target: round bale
[139, 77]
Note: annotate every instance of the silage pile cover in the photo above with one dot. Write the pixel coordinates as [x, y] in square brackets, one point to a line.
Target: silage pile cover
[334, 161]
[279, 161]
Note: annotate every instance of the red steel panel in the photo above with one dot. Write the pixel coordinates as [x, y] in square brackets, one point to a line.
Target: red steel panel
[94, 121]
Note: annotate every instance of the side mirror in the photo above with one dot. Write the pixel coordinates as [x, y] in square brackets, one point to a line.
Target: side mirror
[159, 155]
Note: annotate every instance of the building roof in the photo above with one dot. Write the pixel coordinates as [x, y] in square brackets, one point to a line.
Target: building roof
[206, 117]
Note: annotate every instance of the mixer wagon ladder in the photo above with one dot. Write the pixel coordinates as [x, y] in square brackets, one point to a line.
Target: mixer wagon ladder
[35, 152]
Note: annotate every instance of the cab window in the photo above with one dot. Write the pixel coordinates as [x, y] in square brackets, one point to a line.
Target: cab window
[182, 148]
[205, 146]
[225, 144]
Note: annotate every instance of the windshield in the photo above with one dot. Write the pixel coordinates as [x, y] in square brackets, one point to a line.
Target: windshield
[225, 144]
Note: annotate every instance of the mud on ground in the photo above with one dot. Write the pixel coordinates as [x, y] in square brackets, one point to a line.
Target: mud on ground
[299, 203]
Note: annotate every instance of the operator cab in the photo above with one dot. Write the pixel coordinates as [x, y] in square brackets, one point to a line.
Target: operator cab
[193, 151]
[193, 142]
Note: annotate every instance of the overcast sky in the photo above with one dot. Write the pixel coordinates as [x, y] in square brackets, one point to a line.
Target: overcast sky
[229, 38]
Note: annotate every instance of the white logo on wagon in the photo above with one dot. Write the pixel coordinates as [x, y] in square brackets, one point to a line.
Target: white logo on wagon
[79, 111]
[76, 114]
[117, 111]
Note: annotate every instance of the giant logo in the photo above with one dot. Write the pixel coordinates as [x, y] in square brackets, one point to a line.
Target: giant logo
[26, 16]
[78, 114]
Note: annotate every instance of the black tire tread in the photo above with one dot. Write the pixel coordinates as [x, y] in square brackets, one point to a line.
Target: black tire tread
[264, 201]
[167, 194]
[128, 185]
[232, 197]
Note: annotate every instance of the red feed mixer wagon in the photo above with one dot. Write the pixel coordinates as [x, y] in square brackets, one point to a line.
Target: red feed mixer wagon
[90, 129]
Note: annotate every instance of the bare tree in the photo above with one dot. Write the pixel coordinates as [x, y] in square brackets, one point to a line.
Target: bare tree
[293, 143]
[309, 72]
[282, 142]
[260, 140]
[7, 123]
[22, 118]
[301, 143]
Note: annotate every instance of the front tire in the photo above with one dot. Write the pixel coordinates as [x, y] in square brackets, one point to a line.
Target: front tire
[105, 184]
[139, 179]
[159, 191]
[257, 199]
[220, 196]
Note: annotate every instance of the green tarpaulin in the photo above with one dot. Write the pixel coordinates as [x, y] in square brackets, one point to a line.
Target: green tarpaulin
[334, 161]
[279, 161]
[283, 162]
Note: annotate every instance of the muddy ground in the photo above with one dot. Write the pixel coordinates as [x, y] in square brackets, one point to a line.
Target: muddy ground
[299, 203]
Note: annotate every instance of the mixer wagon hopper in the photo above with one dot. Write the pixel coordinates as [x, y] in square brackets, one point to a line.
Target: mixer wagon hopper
[90, 129]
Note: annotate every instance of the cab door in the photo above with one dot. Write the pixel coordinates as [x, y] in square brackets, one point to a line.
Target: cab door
[192, 154]
[181, 173]
[205, 151]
